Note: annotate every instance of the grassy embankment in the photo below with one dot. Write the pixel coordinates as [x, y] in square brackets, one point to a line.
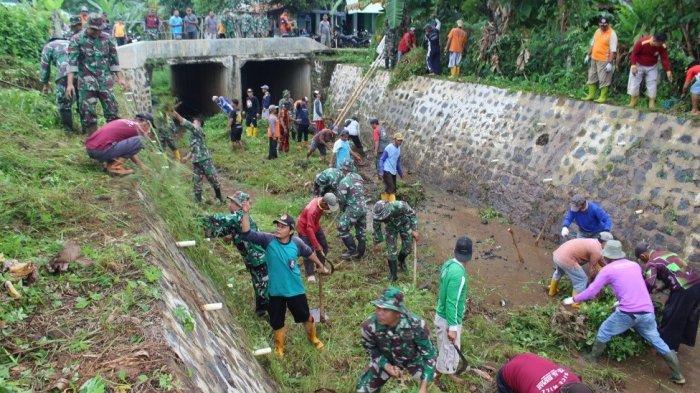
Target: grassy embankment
[88, 325]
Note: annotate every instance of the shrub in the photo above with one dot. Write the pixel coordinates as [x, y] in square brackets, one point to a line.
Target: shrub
[23, 30]
[413, 63]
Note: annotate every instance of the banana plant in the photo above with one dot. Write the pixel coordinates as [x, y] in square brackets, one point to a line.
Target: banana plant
[393, 10]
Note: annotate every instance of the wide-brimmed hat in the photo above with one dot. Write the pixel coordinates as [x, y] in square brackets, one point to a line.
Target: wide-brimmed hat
[613, 250]
[391, 299]
[398, 136]
[75, 20]
[238, 198]
[463, 249]
[332, 201]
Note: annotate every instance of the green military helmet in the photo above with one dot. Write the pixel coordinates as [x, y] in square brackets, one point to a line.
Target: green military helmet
[348, 166]
[95, 21]
[381, 210]
[286, 93]
[391, 299]
[238, 198]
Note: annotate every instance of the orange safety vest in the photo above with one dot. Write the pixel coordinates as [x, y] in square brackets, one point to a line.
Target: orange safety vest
[601, 45]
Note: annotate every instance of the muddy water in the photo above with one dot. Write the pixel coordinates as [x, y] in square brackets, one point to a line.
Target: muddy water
[497, 275]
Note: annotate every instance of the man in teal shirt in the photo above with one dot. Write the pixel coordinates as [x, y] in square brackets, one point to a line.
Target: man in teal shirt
[342, 150]
[284, 286]
[452, 296]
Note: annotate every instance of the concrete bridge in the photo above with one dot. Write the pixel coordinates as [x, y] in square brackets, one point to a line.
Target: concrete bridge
[202, 68]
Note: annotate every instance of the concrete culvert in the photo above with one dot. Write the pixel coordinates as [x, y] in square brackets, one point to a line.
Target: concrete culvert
[542, 140]
[195, 83]
[292, 75]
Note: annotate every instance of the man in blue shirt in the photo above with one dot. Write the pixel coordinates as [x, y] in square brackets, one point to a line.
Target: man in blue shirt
[284, 287]
[390, 166]
[590, 218]
[176, 25]
[342, 151]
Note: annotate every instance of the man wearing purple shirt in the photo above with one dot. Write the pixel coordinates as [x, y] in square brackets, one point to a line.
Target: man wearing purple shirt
[635, 310]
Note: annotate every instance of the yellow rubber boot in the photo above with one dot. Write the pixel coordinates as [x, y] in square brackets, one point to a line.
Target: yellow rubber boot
[458, 71]
[176, 155]
[255, 132]
[310, 328]
[392, 197]
[633, 101]
[591, 92]
[652, 102]
[553, 287]
[575, 306]
[383, 197]
[279, 342]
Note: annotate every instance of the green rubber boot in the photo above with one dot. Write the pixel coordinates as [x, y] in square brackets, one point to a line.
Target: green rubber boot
[596, 351]
[603, 95]
[591, 93]
[671, 360]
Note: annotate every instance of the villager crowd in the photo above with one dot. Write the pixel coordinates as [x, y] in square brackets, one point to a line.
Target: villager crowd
[398, 342]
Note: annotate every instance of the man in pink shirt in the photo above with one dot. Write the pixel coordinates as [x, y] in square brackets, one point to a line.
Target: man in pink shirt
[692, 82]
[569, 257]
[310, 231]
[634, 311]
[117, 141]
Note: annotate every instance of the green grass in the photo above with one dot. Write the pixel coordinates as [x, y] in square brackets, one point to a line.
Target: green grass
[51, 193]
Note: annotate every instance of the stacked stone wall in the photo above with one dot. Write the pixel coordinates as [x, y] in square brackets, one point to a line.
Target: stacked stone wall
[495, 147]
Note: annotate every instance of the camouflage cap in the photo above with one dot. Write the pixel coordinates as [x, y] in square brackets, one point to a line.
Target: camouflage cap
[75, 20]
[95, 21]
[391, 299]
[238, 198]
[381, 210]
[286, 93]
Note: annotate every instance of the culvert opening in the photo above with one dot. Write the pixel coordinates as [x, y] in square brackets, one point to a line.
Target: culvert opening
[293, 75]
[194, 84]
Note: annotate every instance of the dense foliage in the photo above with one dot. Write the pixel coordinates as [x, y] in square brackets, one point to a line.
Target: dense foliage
[23, 30]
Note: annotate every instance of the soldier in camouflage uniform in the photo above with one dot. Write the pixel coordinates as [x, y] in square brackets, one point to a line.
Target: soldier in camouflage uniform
[166, 131]
[400, 221]
[247, 25]
[55, 53]
[202, 165]
[397, 341]
[93, 56]
[327, 181]
[390, 48]
[229, 226]
[353, 207]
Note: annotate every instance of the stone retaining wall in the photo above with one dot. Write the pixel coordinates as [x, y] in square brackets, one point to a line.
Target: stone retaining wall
[495, 147]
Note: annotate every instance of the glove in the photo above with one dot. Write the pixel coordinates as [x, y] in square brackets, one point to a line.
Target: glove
[568, 301]
[565, 232]
[608, 67]
[586, 59]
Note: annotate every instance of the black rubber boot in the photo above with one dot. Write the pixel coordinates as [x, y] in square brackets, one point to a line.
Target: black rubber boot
[67, 120]
[217, 191]
[596, 351]
[361, 248]
[402, 261]
[350, 244]
[198, 197]
[671, 360]
[392, 270]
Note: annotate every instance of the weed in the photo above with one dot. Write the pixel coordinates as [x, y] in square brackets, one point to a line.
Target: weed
[184, 318]
[490, 214]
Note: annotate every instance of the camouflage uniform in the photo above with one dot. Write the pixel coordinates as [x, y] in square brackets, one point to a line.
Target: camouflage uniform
[390, 48]
[406, 345]
[247, 25]
[327, 181]
[400, 221]
[351, 196]
[202, 165]
[220, 225]
[94, 60]
[55, 52]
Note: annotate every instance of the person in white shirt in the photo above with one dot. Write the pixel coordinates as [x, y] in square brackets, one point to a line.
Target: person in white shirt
[353, 128]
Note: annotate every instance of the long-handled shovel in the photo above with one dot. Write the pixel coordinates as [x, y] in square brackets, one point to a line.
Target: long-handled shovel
[515, 244]
[463, 366]
[319, 313]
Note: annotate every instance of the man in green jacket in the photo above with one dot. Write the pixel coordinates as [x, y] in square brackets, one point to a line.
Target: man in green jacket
[454, 285]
